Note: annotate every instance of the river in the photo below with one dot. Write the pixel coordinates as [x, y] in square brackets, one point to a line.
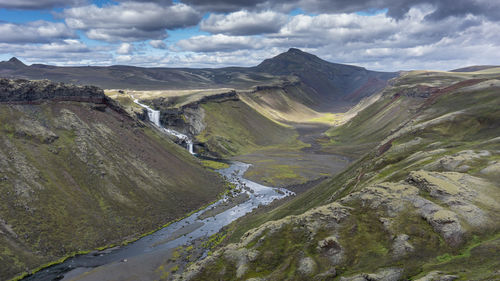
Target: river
[173, 235]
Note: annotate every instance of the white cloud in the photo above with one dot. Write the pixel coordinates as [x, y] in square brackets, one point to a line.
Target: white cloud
[395, 8]
[125, 49]
[219, 43]
[34, 32]
[130, 21]
[425, 36]
[376, 41]
[65, 52]
[158, 44]
[244, 23]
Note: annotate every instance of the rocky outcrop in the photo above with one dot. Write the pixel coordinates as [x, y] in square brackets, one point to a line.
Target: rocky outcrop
[437, 276]
[242, 253]
[187, 120]
[401, 246]
[331, 248]
[389, 274]
[493, 169]
[307, 266]
[458, 162]
[25, 91]
[458, 200]
[33, 130]
[462, 193]
[241, 257]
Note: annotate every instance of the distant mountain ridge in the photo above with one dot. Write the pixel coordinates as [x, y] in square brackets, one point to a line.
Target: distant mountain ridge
[474, 68]
[330, 81]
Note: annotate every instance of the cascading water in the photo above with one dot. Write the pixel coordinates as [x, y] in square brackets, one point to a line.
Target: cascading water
[154, 117]
[190, 146]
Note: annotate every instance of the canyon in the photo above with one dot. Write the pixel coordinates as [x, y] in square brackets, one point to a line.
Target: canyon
[295, 169]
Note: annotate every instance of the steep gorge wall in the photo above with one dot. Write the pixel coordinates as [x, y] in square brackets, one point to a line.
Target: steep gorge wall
[189, 118]
[224, 125]
[75, 176]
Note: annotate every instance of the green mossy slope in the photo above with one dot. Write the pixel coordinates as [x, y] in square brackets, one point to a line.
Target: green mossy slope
[234, 128]
[76, 176]
[422, 201]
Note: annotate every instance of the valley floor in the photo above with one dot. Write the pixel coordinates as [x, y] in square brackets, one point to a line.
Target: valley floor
[284, 167]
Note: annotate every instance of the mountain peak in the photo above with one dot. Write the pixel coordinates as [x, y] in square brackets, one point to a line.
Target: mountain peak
[295, 50]
[293, 58]
[16, 61]
[298, 61]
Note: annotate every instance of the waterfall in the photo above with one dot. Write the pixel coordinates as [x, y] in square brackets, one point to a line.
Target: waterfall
[190, 146]
[154, 117]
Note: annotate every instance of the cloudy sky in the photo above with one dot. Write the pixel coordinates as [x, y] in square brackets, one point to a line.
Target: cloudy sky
[378, 34]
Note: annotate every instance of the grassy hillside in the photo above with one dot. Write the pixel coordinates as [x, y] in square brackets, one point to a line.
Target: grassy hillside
[233, 127]
[422, 202]
[292, 103]
[75, 176]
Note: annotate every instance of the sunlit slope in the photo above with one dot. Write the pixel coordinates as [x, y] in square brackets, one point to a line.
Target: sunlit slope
[292, 103]
[424, 198]
[404, 100]
[234, 128]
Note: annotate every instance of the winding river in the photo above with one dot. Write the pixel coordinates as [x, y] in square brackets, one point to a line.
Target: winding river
[183, 232]
[172, 236]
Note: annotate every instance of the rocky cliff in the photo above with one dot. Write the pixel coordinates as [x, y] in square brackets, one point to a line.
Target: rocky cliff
[26, 91]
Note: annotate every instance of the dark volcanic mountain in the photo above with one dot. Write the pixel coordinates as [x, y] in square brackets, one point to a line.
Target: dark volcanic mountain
[330, 81]
[11, 65]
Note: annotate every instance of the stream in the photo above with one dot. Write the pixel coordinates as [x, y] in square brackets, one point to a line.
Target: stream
[183, 232]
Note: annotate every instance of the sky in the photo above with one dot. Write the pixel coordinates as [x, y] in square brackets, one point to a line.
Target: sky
[385, 35]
